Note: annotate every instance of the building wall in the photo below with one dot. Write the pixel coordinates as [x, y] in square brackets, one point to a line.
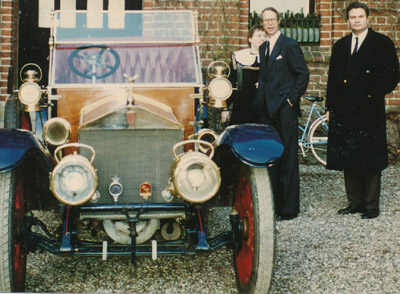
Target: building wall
[8, 42]
[223, 29]
[223, 24]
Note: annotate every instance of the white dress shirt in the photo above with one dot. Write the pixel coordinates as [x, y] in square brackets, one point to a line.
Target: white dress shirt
[361, 38]
[272, 42]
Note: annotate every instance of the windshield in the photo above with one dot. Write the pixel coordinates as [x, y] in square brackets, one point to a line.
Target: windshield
[107, 47]
[108, 64]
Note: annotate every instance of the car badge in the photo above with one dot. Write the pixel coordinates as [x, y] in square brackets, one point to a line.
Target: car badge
[115, 188]
[145, 190]
[130, 118]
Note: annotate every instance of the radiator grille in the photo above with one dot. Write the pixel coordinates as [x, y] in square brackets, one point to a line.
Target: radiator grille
[133, 155]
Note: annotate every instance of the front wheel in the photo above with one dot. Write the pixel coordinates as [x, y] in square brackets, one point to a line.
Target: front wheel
[318, 139]
[254, 255]
[12, 251]
[12, 113]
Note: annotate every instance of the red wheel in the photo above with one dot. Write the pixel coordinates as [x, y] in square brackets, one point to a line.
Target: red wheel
[244, 259]
[12, 252]
[254, 259]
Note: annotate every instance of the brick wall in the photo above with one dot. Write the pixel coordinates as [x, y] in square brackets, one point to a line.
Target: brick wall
[8, 42]
[223, 29]
[223, 24]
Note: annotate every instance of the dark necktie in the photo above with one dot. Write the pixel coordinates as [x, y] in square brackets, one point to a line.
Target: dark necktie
[355, 47]
[267, 54]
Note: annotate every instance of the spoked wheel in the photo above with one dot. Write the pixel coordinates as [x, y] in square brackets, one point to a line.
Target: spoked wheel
[12, 251]
[254, 257]
[318, 139]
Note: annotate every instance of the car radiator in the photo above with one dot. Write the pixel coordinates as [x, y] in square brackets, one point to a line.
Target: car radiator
[135, 156]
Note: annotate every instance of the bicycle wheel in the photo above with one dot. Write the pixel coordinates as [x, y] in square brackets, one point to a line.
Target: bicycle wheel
[318, 139]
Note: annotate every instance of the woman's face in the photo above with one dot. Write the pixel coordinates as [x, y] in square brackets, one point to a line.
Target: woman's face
[257, 39]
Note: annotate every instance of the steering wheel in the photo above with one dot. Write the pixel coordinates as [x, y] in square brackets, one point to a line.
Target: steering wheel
[92, 58]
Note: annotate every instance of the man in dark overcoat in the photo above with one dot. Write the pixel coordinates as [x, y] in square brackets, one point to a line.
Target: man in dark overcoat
[282, 80]
[364, 67]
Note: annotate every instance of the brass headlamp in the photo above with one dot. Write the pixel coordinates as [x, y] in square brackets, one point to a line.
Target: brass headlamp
[30, 93]
[195, 176]
[220, 88]
[74, 179]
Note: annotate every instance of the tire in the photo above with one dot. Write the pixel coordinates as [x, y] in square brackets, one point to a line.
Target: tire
[319, 134]
[12, 252]
[12, 113]
[254, 259]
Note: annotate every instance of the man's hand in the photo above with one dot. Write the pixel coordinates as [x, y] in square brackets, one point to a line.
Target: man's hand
[225, 116]
[327, 115]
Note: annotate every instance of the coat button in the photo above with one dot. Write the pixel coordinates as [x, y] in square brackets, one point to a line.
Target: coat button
[345, 81]
[369, 96]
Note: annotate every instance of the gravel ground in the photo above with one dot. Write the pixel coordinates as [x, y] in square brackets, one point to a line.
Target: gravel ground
[318, 252]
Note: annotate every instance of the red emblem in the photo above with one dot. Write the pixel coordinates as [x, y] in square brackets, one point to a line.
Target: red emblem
[145, 190]
[130, 118]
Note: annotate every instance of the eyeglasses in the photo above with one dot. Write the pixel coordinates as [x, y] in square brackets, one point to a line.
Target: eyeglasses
[270, 20]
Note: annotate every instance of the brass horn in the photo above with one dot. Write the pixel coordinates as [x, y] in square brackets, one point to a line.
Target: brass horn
[208, 136]
[57, 131]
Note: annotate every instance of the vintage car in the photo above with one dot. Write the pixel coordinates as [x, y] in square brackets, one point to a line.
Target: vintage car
[116, 139]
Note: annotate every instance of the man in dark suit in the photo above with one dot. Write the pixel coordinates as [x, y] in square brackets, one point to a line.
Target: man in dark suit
[283, 79]
[363, 68]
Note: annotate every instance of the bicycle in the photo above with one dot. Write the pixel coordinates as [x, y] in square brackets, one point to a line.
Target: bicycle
[314, 135]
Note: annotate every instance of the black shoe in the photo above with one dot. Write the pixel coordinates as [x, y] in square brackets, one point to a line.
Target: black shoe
[282, 217]
[370, 213]
[351, 210]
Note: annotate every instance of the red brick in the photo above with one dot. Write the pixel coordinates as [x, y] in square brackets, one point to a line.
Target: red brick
[337, 34]
[392, 101]
[325, 34]
[147, 5]
[5, 54]
[325, 12]
[6, 11]
[6, 4]
[6, 18]
[341, 27]
[244, 5]
[326, 6]
[325, 20]
[6, 33]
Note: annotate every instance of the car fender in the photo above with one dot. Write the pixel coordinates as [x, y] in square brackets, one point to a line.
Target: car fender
[253, 144]
[18, 145]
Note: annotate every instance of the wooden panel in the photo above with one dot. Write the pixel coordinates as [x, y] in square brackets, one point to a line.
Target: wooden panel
[73, 100]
